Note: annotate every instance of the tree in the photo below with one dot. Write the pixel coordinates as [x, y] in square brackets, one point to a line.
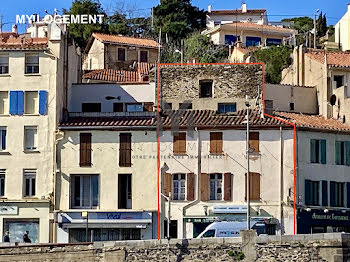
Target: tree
[82, 32]
[118, 24]
[276, 58]
[141, 27]
[178, 18]
[324, 26]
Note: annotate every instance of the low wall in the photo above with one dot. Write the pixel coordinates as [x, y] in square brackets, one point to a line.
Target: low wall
[332, 247]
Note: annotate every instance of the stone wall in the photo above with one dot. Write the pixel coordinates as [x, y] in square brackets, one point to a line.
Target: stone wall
[230, 80]
[331, 247]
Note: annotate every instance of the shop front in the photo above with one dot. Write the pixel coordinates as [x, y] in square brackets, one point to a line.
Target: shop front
[312, 221]
[103, 226]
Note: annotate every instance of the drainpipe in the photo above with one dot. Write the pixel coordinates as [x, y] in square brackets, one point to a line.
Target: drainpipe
[296, 178]
[281, 181]
[198, 182]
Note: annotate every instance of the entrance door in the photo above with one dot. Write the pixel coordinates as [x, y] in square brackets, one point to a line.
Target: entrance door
[124, 191]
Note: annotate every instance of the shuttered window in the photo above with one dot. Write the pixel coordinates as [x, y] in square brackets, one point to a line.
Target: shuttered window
[204, 187]
[190, 186]
[312, 193]
[337, 194]
[125, 150]
[85, 149]
[179, 187]
[228, 187]
[215, 186]
[342, 153]
[16, 102]
[216, 143]
[179, 145]
[318, 151]
[254, 141]
[254, 186]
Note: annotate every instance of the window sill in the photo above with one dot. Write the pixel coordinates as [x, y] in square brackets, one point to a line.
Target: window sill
[217, 154]
[4, 115]
[31, 151]
[5, 153]
[85, 165]
[31, 114]
[30, 198]
[180, 154]
[5, 75]
[36, 74]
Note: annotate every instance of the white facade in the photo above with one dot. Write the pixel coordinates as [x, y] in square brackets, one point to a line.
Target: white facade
[342, 31]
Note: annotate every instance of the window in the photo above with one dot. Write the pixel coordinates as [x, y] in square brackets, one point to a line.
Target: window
[32, 64]
[291, 106]
[209, 233]
[125, 150]
[225, 108]
[4, 103]
[31, 103]
[179, 186]
[337, 194]
[185, 106]
[231, 39]
[118, 107]
[31, 138]
[312, 193]
[252, 41]
[254, 186]
[121, 54]
[84, 191]
[2, 138]
[2, 182]
[206, 88]
[273, 41]
[134, 107]
[173, 228]
[215, 186]
[339, 81]
[318, 151]
[104, 234]
[179, 143]
[29, 176]
[124, 191]
[144, 56]
[4, 64]
[342, 153]
[254, 141]
[91, 107]
[216, 143]
[85, 149]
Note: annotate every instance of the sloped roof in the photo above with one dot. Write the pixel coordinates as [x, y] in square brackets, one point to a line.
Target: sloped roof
[334, 59]
[126, 40]
[237, 12]
[314, 121]
[248, 25]
[13, 41]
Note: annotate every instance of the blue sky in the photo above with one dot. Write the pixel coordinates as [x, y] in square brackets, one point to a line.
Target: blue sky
[276, 9]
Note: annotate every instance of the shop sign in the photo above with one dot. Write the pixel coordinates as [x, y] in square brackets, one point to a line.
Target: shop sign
[229, 209]
[330, 217]
[201, 220]
[8, 210]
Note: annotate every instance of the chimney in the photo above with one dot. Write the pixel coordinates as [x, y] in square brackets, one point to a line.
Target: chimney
[209, 8]
[14, 28]
[244, 8]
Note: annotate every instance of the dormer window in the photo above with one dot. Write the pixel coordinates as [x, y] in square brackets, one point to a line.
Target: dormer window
[206, 88]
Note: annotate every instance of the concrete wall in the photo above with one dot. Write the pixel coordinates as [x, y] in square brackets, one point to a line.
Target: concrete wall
[96, 93]
[95, 59]
[283, 95]
[342, 31]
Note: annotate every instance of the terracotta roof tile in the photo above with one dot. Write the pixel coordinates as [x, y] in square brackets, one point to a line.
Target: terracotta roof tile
[314, 121]
[247, 25]
[334, 59]
[13, 41]
[237, 11]
[126, 40]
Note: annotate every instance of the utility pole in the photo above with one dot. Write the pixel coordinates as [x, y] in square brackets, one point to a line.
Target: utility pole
[315, 30]
[168, 198]
[152, 18]
[182, 51]
[1, 24]
[248, 168]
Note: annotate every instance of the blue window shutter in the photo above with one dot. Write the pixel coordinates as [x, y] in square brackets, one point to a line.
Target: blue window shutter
[20, 102]
[312, 150]
[42, 102]
[347, 154]
[332, 193]
[323, 152]
[324, 193]
[13, 103]
[337, 152]
[307, 192]
[348, 195]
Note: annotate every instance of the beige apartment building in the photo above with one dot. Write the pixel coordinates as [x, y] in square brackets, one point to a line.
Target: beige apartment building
[119, 52]
[33, 80]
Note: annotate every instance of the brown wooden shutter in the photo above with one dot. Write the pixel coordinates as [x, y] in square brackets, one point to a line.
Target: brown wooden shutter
[179, 144]
[204, 187]
[228, 187]
[167, 183]
[190, 186]
[148, 106]
[125, 150]
[254, 186]
[85, 149]
[254, 141]
[216, 142]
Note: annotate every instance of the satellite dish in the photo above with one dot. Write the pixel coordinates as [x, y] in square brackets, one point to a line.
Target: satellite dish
[332, 100]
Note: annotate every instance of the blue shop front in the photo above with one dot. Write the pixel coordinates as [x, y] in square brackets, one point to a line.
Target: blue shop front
[311, 221]
[86, 226]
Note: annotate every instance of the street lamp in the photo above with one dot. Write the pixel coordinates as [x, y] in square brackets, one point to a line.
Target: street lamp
[168, 198]
[317, 11]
